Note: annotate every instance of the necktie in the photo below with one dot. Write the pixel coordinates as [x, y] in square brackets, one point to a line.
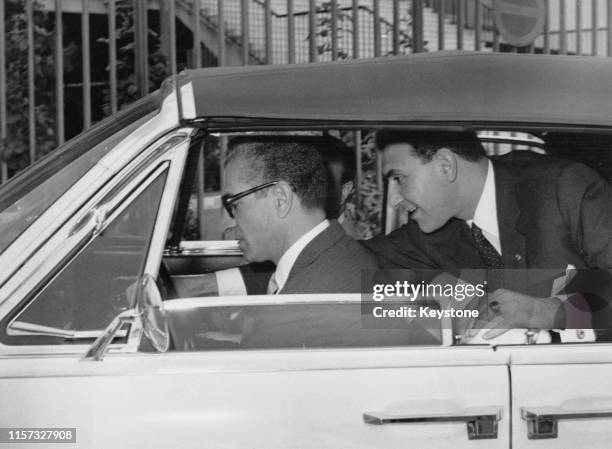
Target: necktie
[488, 253]
[272, 285]
[491, 258]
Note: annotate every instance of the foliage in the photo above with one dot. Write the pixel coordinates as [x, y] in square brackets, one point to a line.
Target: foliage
[324, 29]
[16, 145]
[158, 67]
[365, 213]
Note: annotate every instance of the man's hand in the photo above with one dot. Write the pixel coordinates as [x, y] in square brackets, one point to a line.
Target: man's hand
[507, 310]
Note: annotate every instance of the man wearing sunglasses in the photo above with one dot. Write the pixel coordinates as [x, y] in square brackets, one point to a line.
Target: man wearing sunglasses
[275, 190]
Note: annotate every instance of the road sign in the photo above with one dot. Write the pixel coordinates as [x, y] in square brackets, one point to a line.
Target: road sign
[519, 21]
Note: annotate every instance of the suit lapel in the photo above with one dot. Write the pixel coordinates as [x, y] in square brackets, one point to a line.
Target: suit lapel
[311, 252]
[511, 228]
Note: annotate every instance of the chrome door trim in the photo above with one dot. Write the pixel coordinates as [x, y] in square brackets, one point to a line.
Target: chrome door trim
[166, 208]
[207, 248]
[481, 422]
[542, 422]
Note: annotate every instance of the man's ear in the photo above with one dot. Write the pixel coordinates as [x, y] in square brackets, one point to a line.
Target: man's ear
[283, 198]
[446, 160]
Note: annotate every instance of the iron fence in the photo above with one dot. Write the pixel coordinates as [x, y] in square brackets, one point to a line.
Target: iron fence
[118, 50]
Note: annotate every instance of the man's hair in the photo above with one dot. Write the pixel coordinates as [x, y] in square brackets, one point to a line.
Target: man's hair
[293, 159]
[427, 143]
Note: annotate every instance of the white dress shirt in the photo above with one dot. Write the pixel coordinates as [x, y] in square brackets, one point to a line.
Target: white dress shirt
[485, 216]
[287, 260]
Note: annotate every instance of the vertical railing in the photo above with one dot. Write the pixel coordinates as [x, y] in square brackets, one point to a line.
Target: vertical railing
[86, 53]
[254, 32]
[609, 30]
[59, 74]
[3, 98]
[172, 36]
[578, 15]
[31, 92]
[141, 46]
[594, 33]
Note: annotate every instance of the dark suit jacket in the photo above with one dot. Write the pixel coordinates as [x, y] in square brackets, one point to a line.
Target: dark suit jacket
[551, 213]
[331, 263]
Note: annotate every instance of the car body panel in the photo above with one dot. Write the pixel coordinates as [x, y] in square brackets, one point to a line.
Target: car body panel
[571, 378]
[268, 399]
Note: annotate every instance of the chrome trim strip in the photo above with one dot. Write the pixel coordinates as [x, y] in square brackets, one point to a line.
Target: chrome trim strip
[260, 300]
[547, 413]
[208, 248]
[188, 101]
[178, 155]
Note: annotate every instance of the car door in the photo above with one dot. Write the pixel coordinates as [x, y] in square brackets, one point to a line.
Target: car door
[561, 395]
[439, 397]
[358, 394]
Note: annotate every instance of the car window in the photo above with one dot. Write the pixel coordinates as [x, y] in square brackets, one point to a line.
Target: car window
[95, 285]
[207, 249]
[306, 325]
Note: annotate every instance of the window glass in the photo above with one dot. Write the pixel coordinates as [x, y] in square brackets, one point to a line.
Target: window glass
[361, 209]
[94, 287]
[303, 326]
[207, 220]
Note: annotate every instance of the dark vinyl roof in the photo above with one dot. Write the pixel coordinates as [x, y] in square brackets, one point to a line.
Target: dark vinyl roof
[463, 87]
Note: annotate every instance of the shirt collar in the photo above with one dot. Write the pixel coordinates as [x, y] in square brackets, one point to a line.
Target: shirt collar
[287, 260]
[485, 215]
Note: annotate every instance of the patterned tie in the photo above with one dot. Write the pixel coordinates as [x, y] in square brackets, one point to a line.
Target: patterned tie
[491, 258]
[488, 253]
[272, 285]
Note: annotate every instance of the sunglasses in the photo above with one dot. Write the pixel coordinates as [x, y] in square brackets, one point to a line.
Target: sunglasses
[229, 201]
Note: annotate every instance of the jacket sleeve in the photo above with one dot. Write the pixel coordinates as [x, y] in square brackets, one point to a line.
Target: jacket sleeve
[399, 249]
[585, 201]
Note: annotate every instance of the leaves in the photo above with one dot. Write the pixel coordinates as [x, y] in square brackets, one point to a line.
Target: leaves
[16, 145]
[158, 64]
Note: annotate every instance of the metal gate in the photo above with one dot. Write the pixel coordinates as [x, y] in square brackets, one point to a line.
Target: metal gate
[142, 41]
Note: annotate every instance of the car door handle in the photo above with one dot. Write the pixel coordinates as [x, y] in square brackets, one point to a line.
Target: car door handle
[542, 422]
[481, 422]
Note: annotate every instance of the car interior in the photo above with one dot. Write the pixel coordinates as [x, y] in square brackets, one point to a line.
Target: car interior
[199, 242]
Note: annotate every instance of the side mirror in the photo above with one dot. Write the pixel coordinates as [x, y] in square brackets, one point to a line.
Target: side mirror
[149, 309]
[151, 306]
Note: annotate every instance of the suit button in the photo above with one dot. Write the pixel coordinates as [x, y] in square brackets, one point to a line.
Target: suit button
[518, 257]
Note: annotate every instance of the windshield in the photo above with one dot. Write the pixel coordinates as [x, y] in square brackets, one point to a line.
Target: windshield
[32, 192]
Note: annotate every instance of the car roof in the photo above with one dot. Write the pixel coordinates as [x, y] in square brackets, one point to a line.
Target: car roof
[457, 88]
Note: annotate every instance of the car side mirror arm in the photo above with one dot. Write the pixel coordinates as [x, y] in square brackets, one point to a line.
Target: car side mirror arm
[99, 347]
[147, 312]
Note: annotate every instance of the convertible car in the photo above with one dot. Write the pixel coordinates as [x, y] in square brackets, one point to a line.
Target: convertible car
[95, 239]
